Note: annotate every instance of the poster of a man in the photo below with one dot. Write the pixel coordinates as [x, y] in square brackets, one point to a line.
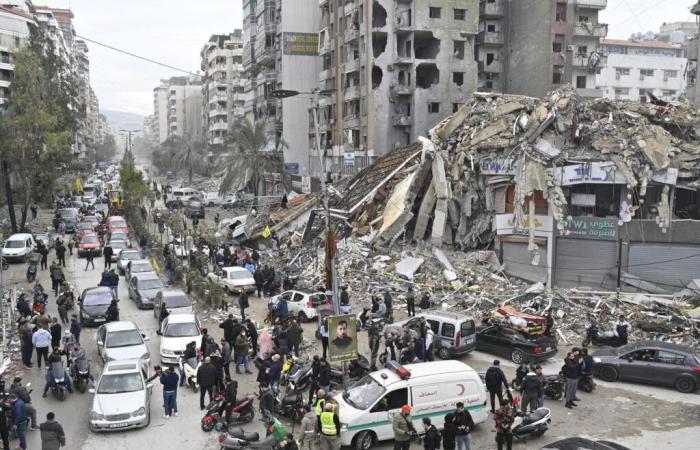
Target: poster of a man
[343, 338]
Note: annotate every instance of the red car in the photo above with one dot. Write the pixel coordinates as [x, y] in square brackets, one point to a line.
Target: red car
[83, 228]
[116, 223]
[89, 241]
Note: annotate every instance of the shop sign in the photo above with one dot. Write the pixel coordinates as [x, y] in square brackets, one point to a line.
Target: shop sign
[301, 44]
[505, 225]
[498, 166]
[589, 228]
[593, 173]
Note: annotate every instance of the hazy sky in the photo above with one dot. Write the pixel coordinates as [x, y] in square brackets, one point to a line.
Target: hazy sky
[174, 31]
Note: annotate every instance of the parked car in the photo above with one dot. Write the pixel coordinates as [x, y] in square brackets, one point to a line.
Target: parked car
[302, 304]
[17, 247]
[116, 223]
[651, 362]
[456, 331]
[69, 216]
[512, 344]
[122, 397]
[82, 228]
[93, 305]
[125, 256]
[195, 209]
[119, 236]
[89, 241]
[143, 288]
[214, 199]
[176, 331]
[139, 266]
[579, 443]
[233, 279]
[176, 300]
[122, 340]
[118, 246]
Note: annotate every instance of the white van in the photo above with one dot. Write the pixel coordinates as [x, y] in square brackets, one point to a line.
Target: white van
[18, 246]
[184, 195]
[432, 389]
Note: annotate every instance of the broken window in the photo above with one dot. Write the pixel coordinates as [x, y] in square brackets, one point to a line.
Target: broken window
[455, 107]
[434, 12]
[458, 51]
[378, 44]
[556, 47]
[645, 92]
[557, 73]
[561, 12]
[584, 19]
[377, 75]
[490, 57]
[427, 74]
[491, 28]
[621, 91]
[433, 107]
[460, 14]
[668, 92]
[594, 200]
[403, 45]
[378, 15]
[425, 46]
[582, 50]
[541, 204]
[619, 71]
[581, 82]
[686, 204]
[458, 78]
[670, 73]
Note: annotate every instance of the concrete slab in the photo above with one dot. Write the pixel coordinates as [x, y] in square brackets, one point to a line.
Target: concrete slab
[408, 266]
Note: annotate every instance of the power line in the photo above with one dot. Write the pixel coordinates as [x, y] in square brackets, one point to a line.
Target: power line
[133, 55]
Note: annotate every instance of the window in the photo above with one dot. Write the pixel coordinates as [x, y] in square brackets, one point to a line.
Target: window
[622, 71]
[448, 330]
[433, 107]
[581, 82]
[556, 47]
[490, 57]
[645, 73]
[392, 400]
[622, 91]
[455, 108]
[671, 358]
[645, 92]
[557, 73]
[491, 28]
[668, 92]
[460, 14]
[584, 19]
[582, 50]
[458, 49]
[670, 74]
[458, 78]
[561, 12]
[434, 324]
[434, 12]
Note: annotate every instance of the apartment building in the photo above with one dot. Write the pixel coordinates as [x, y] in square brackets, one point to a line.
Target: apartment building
[14, 35]
[161, 112]
[222, 85]
[280, 51]
[184, 100]
[530, 47]
[692, 91]
[391, 69]
[677, 32]
[636, 69]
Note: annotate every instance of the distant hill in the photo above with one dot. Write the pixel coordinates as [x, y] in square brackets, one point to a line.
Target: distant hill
[120, 120]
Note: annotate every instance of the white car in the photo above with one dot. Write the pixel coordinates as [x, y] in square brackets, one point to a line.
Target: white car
[118, 246]
[124, 257]
[18, 246]
[234, 279]
[302, 304]
[138, 266]
[176, 331]
[122, 340]
[214, 199]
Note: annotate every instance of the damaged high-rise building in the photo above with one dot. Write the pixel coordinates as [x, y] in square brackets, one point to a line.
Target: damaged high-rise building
[530, 47]
[391, 69]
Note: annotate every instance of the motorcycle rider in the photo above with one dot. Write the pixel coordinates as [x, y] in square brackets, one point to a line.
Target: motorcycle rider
[622, 328]
[189, 354]
[22, 393]
[23, 307]
[586, 365]
[77, 356]
[230, 400]
[267, 402]
[55, 362]
[381, 310]
[543, 382]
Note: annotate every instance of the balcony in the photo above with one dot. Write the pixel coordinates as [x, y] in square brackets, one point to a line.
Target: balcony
[491, 10]
[353, 65]
[592, 4]
[590, 61]
[494, 67]
[588, 29]
[693, 49]
[352, 92]
[266, 55]
[218, 126]
[351, 35]
[351, 121]
[325, 74]
[401, 120]
[217, 112]
[490, 38]
[589, 92]
[401, 89]
[349, 7]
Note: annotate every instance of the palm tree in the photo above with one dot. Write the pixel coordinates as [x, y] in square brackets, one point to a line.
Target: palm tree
[254, 153]
[192, 155]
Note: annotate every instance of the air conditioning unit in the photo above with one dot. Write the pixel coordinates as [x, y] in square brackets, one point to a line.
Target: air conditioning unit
[569, 48]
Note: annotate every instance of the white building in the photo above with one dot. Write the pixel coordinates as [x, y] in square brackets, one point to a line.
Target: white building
[636, 69]
[14, 35]
[184, 104]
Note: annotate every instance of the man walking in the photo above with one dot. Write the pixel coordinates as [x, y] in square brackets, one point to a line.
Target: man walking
[253, 334]
[243, 304]
[329, 424]
[41, 340]
[169, 379]
[307, 430]
[411, 302]
[52, 435]
[108, 252]
[89, 259]
[61, 253]
[463, 427]
[26, 348]
[55, 331]
[402, 426]
[57, 276]
[18, 413]
[44, 252]
[206, 376]
[22, 393]
[4, 426]
[504, 421]
[495, 380]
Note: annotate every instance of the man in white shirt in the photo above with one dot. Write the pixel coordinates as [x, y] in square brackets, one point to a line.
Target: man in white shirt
[41, 340]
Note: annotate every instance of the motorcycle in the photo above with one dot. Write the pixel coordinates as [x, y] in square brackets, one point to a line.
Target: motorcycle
[534, 424]
[291, 405]
[601, 339]
[241, 412]
[59, 386]
[586, 383]
[236, 438]
[33, 267]
[38, 307]
[189, 368]
[80, 370]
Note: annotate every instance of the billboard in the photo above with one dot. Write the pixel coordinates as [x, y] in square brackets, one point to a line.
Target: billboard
[300, 44]
[342, 338]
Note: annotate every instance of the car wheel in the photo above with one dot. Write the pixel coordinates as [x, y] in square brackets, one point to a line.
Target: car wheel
[444, 353]
[302, 317]
[685, 385]
[517, 356]
[608, 373]
[363, 440]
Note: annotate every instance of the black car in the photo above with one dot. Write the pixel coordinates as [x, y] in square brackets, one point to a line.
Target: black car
[514, 345]
[93, 305]
[143, 287]
[195, 209]
[651, 362]
[577, 443]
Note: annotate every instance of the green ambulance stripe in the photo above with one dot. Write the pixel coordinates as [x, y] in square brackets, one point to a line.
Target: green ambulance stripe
[420, 416]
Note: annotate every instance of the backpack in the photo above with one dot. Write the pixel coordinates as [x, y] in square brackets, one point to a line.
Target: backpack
[492, 378]
[437, 437]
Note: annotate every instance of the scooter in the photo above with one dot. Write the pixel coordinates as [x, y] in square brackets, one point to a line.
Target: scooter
[80, 371]
[290, 406]
[32, 269]
[534, 424]
[241, 412]
[189, 368]
[59, 387]
[596, 337]
[586, 383]
[237, 439]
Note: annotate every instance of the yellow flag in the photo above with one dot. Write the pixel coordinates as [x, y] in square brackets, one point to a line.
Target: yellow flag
[266, 233]
[78, 185]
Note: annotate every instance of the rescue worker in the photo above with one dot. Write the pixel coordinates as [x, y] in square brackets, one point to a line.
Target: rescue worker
[329, 425]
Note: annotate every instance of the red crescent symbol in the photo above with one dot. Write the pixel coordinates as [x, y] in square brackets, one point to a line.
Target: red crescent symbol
[462, 386]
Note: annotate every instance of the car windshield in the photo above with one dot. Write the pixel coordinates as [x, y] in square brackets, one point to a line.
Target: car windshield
[153, 283]
[117, 224]
[15, 244]
[176, 301]
[130, 256]
[117, 245]
[125, 338]
[141, 267]
[89, 240]
[182, 329]
[118, 236]
[98, 298]
[120, 383]
[239, 275]
[364, 393]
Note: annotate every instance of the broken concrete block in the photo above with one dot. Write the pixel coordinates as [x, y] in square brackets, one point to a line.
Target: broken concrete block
[507, 108]
[449, 275]
[546, 149]
[439, 179]
[656, 150]
[439, 222]
[408, 266]
[444, 131]
[491, 130]
[426, 207]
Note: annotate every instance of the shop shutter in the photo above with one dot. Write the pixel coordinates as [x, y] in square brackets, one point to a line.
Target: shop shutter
[668, 265]
[585, 262]
[517, 260]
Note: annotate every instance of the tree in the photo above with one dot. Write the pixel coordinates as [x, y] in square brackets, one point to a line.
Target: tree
[106, 150]
[253, 153]
[192, 156]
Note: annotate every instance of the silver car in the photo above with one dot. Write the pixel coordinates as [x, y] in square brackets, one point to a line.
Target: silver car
[124, 257]
[117, 246]
[122, 340]
[122, 398]
[138, 266]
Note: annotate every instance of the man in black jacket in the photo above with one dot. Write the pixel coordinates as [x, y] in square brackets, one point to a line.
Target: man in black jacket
[21, 392]
[571, 373]
[108, 252]
[243, 304]
[431, 438]
[532, 391]
[228, 326]
[495, 379]
[206, 376]
[463, 427]
[253, 334]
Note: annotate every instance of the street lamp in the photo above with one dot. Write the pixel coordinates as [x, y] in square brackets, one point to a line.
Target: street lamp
[287, 93]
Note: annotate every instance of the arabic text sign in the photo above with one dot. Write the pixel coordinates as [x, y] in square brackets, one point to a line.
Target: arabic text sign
[590, 228]
[594, 173]
[505, 225]
[301, 44]
[499, 166]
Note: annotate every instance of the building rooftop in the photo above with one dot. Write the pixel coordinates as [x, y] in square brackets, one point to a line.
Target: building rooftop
[640, 44]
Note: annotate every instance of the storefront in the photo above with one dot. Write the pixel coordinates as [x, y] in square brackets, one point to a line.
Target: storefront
[518, 259]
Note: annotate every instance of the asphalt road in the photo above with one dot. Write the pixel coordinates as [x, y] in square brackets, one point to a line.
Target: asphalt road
[644, 417]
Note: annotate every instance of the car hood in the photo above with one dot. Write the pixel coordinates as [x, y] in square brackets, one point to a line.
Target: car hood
[133, 351]
[14, 251]
[241, 282]
[148, 294]
[181, 310]
[112, 404]
[177, 344]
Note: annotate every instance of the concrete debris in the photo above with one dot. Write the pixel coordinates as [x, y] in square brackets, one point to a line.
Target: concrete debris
[408, 266]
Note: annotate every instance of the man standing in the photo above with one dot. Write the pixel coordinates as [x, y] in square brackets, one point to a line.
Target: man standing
[55, 330]
[411, 302]
[431, 438]
[242, 350]
[21, 392]
[114, 281]
[169, 379]
[389, 303]
[495, 380]
[52, 435]
[504, 421]
[57, 276]
[402, 426]
[463, 427]
[26, 348]
[570, 371]
[375, 335]
[75, 327]
[307, 430]
[532, 391]
[108, 252]
[259, 280]
[169, 268]
[41, 340]
[226, 357]
[71, 244]
[295, 336]
[89, 259]
[44, 252]
[228, 327]
[206, 376]
[622, 328]
[344, 296]
[329, 424]
[253, 333]
[243, 304]
[18, 413]
[61, 253]
[4, 428]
